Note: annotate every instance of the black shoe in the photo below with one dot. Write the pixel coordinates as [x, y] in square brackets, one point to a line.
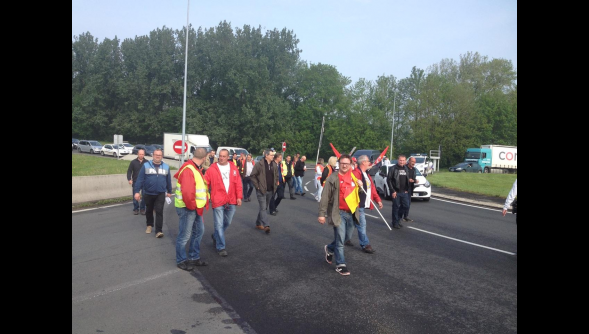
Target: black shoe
[328, 257]
[368, 249]
[223, 252]
[135, 212]
[143, 212]
[185, 266]
[214, 241]
[297, 194]
[197, 263]
[343, 271]
[400, 224]
[348, 243]
[303, 194]
[273, 213]
[292, 197]
[397, 226]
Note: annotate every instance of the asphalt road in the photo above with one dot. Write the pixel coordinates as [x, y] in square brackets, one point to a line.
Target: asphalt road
[453, 270]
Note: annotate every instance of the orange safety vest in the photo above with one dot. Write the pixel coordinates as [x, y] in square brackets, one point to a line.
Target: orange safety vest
[328, 173]
[321, 167]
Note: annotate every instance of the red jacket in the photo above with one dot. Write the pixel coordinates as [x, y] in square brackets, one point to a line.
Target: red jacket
[374, 195]
[214, 180]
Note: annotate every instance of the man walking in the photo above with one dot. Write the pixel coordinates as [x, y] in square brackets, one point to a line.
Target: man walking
[412, 181]
[245, 170]
[156, 182]
[265, 179]
[398, 182]
[279, 193]
[209, 160]
[300, 169]
[132, 174]
[226, 190]
[289, 177]
[339, 202]
[191, 198]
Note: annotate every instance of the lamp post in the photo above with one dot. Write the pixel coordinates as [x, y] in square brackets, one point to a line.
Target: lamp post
[185, 75]
[393, 127]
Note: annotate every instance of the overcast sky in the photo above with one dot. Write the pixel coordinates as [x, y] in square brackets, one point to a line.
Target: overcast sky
[361, 38]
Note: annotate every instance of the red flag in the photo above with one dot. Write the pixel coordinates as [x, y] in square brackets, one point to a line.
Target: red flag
[337, 154]
[380, 157]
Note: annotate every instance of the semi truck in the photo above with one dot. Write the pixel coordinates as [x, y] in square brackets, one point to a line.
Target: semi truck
[191, 140]
[498, 159]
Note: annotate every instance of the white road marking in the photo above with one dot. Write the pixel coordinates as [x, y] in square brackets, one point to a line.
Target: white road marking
[443, 236]
[472, 206]
[121, 286]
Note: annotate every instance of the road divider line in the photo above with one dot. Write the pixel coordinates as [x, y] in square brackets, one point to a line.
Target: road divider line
[120, 287]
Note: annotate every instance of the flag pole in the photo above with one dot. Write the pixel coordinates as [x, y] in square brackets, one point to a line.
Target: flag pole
[376, 207]
[320, 139]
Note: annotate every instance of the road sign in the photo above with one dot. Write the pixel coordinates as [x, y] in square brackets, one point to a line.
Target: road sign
[178, 146]
[283, 146]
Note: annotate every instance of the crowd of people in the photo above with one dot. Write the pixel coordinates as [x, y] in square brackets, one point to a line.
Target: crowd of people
[344, 190]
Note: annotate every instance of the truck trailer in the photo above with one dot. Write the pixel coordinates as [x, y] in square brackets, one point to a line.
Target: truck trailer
[498, 159]
[191, 140]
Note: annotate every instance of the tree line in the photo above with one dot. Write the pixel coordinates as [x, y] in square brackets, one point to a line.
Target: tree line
[250, 88]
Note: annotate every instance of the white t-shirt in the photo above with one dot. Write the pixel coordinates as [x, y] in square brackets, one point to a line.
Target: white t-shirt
[250, 166]
[225, 175]
[368, 190]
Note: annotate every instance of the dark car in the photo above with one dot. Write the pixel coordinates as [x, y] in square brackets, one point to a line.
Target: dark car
[75, 143]
[161, 147]
[148, 149]
[466, 167]
[259, 158]
[372, 155]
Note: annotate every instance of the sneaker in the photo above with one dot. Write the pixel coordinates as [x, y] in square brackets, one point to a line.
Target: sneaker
[273, 213]
[303, 194]
[328, 257]
[214, 241]
[343, 271]
[259, 227]
[368, 249]
[135, 212]
[223, 252]
[267, 229]
[348, 243]
[143, 212]
[148, 230]
[197, 263]
[407, 219]
[185, 266]
[159, 235]
[397, 226]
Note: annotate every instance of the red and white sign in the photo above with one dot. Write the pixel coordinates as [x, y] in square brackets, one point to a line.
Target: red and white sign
[178, 146]
[283, 146]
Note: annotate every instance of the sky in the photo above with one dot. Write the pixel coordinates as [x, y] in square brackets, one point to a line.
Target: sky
[361, 38]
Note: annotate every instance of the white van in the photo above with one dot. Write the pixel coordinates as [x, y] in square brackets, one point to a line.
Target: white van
[231, 150]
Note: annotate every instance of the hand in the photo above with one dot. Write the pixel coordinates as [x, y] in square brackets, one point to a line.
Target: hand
[137, 197]
[411, 180]
[504, 212]
[360, 183]
[131, 182]
[239, 202]
[394, 195]
[321, 220]
[379, 205]
[168, 194]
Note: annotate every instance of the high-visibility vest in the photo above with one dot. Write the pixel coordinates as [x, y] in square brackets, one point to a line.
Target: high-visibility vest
[330, 169]
[321, 167]
[241, 165]
[285, 168]
[201, 194]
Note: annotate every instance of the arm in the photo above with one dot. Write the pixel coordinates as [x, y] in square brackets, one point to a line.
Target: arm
[512, 194]
[324, 202]
[188, 187]
[254, 175]
[130, 173]
[169, 182]
[139, 184]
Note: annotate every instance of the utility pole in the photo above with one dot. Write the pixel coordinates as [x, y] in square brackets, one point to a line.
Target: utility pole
[393, 127]
[185, 75]
[320, 138]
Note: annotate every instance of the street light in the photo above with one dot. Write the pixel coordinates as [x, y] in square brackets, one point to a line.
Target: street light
[393, 127]
[185, 75]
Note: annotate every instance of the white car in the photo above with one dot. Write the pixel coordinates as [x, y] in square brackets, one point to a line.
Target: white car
[116, 150]
[129, 147]
[420, 161]
[423, 190]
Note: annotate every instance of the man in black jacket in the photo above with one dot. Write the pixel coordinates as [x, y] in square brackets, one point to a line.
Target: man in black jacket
[412, 181]
[399, 185]
[132, 173]
[300, 169]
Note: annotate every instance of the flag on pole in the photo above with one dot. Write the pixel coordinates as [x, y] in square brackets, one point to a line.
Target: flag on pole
[351, 196]
[337, 154]
[380, 157]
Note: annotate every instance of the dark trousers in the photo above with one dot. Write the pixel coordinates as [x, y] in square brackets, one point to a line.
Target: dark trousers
[155, 202]
[277, 197]
[406, 213]
[263, 201]
[291, 189]
[400, 204]
[248, 186]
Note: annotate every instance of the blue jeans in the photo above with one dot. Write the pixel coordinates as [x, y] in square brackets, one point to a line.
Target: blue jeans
[299, 184]
[400, 205]
[190, 228]
[362, 237]
[136, 204]
[222, 219]
[263, 201]
[341, 233]
[248, 186]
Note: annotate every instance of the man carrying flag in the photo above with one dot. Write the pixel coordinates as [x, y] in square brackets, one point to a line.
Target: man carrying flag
[339, 201]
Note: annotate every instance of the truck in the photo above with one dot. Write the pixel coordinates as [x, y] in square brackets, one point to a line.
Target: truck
[498, 159]
[191, 140]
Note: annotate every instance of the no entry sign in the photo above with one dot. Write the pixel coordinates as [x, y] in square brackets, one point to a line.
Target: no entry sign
[178, 147]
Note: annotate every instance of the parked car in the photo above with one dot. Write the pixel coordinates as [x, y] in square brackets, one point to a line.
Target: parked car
[89, 146]
[116, 150]
[75, 143]
[149, 149]
[259, 158]
[161, 147]
[423, 190]
[467, 167]
[129, 147]
[231, 150]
